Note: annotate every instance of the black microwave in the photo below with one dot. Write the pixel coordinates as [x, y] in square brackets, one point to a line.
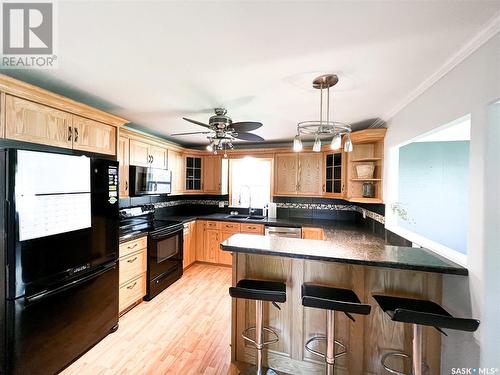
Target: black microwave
[147, 181]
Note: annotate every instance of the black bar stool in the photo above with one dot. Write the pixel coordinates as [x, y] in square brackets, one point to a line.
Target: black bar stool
[260, 291]
[331, 299]
[419, 313]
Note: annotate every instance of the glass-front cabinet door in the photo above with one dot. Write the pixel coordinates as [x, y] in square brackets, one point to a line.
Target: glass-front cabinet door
[334, 172]
[193, 173]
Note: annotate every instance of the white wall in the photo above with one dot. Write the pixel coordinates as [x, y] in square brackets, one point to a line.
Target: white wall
[471, 87]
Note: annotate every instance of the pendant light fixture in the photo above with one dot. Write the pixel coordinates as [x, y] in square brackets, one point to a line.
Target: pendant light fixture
[297, 144]
[324, 127]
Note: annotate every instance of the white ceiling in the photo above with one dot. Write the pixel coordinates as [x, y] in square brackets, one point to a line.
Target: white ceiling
[155, 62]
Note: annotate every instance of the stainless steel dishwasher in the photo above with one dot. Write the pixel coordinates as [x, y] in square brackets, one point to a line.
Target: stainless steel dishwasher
[283, 232]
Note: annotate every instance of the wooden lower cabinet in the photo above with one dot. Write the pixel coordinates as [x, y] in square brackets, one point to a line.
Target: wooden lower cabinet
[252, 228]
[211, 245]
[210, 234]
[132, 270]
[189, 249]
[131, 293]
[313, 233]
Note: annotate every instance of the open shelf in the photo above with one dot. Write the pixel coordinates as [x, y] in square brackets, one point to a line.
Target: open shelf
[368, 147]
[365, 160]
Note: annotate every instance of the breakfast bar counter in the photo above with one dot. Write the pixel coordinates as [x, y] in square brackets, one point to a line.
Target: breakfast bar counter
[348, 258]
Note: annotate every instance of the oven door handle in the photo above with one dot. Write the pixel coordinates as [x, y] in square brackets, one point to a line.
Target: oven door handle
[166, 232]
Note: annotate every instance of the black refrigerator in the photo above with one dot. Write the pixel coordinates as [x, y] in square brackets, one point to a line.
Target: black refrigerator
[59, 250]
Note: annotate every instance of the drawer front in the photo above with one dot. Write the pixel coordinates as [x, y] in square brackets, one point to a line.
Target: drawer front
[252, 228]
[130, 247]
[132, 292]
[230, 227]
[132, 266]
[212, 224]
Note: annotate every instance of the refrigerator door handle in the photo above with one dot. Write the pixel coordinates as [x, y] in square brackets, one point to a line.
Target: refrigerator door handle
[49, 293]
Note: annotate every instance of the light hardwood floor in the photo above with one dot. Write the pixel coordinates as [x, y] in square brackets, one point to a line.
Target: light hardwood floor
[184, 330]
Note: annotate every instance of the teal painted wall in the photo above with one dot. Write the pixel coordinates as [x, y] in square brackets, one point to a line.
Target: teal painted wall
[434, 191]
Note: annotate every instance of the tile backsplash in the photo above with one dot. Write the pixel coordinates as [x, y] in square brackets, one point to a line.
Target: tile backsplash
[325, 208]
[300, 207]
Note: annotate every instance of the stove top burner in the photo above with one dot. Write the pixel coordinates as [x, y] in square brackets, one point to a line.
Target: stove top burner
[141, 219]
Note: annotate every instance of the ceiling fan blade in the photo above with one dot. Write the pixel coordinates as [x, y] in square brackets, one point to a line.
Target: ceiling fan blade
[191, 133]
[197, 122]
[246, 126]
[250, 137]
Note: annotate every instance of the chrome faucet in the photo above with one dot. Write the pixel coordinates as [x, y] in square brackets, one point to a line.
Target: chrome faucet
[250, 209]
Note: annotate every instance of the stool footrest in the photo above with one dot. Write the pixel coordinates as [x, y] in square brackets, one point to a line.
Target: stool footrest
[388, 355]
[267, 329]
[323, 355]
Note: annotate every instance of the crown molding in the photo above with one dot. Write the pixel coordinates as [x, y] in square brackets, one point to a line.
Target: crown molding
[486, 33]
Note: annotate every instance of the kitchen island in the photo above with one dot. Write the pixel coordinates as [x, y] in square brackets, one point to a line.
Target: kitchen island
[347, 259]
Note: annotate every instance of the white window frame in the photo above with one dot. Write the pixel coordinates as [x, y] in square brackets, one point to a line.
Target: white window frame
[391, 219]
[266, 157]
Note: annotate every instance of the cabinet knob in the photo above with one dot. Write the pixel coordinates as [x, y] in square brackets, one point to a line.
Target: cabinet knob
[70, 133]
[76, 135]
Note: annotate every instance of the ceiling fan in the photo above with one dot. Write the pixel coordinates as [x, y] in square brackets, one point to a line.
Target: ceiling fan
[222, 131]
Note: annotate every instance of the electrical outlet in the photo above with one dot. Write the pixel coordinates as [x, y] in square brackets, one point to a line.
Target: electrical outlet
[221, 204]
[364, 214]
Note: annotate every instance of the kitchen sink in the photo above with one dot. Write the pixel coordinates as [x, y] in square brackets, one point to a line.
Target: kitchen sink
[246, 217]
[237, 217]
[256, 217]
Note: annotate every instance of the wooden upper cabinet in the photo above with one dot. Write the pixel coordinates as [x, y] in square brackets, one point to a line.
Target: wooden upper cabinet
[31, 122]
[285, 174]
[176, 166]
[212, 176]
[147, 155]
[93, 136]
[158, 157]
[310, 176]
[334, 174]
[123, 159]
[139, 153]
[2, 117]
[193, 168]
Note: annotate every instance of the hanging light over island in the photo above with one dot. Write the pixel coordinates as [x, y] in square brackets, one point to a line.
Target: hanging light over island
[324, 127]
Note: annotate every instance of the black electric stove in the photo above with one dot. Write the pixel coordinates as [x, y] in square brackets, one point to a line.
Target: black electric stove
[140, 219]
[165, 246]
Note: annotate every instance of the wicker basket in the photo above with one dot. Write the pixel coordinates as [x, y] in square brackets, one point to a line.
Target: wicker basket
[365, 171]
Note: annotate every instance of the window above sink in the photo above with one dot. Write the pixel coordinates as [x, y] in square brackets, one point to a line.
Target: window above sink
[250, 182]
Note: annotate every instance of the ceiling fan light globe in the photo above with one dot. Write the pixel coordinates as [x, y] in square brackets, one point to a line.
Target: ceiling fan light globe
[210, 148]
[336, 142]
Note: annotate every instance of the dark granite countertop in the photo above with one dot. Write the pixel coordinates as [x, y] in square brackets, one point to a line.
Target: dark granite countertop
[345, 245]
[293, 222]
[289, 222]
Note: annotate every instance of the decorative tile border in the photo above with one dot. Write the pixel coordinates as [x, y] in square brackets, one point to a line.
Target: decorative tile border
[318, 206]
[305, 206]
[204, 202]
